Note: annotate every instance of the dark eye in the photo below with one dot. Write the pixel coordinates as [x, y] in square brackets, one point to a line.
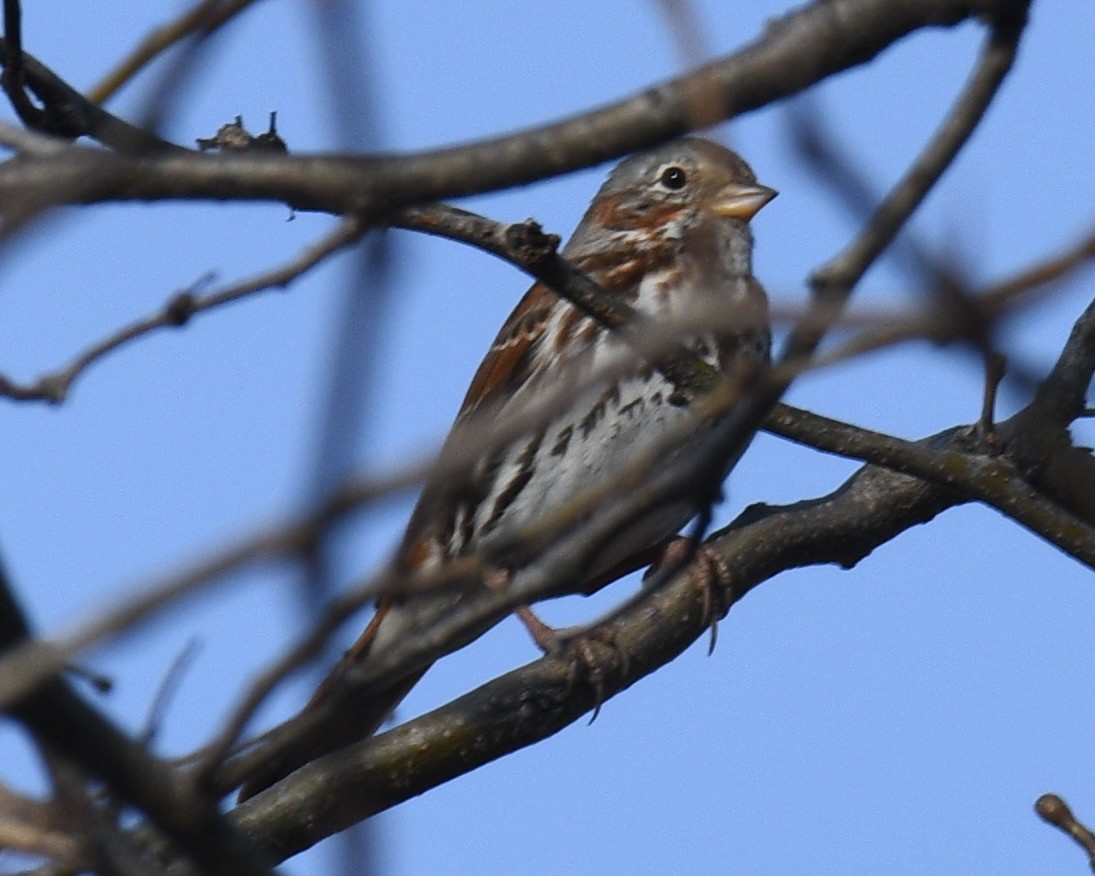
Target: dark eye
[674, 178]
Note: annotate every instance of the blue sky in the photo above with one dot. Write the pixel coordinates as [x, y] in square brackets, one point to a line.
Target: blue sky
[899, 717]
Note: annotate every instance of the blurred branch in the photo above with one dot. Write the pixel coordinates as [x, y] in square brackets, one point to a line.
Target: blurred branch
[992, 304]
[204, 17]
[58, 717]
[682, 20]
[966, 313]
[1052, 270]
[26, 665]
[833, 282]
[788, 58]
[35, 828]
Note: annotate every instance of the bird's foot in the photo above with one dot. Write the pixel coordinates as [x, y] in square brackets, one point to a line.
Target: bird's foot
[710, 573]
[585, 649]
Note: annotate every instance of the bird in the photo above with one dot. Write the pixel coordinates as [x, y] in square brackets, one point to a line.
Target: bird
[667, 235]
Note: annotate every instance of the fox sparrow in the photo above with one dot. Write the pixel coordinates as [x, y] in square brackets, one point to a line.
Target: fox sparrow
[668, 234]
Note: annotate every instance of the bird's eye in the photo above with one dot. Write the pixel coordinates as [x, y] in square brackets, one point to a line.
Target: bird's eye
[674, 178]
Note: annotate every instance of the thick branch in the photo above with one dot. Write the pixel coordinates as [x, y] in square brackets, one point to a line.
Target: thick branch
[536, 701]
[795, 52]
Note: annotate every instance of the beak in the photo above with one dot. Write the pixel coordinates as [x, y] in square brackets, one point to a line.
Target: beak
[742, 202]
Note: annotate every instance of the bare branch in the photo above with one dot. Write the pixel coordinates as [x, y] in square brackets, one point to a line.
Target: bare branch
[833, 283]
[534, 702]
[968, 468]
[34, 828]
[1050, 271]
[68, 114]
[54, 387]
[787, 59]
[1053, 810]
[52, 710]
[1062, 395]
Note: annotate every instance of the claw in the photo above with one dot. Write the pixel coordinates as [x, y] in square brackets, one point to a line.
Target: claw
[711, 574]
[577, 647]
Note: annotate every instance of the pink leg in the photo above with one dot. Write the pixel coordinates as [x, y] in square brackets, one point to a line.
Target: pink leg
[577, 646]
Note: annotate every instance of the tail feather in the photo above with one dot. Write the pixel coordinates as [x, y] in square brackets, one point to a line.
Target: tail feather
[354, 715]
[355, 722]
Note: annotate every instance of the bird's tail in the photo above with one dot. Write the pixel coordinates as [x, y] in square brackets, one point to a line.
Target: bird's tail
[353, 715]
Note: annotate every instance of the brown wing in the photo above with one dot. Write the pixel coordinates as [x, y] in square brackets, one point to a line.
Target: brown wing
[508, 363]
[511, 357]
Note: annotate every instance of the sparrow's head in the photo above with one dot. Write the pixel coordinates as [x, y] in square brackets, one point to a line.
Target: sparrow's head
[677, 185]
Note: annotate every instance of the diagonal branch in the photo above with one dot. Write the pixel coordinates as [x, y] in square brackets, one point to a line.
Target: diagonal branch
[534, 702]
[56, 715]
[833, 282]
[971, 470]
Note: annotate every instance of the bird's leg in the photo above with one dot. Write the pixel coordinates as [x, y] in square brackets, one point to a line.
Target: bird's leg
[708, 570]
[574, 644]
[577, 645]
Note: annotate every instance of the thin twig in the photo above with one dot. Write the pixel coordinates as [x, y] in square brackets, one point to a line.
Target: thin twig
[1049, 271]
[54, 387]
[167, 688]
[833, 282]
[1053, 810]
